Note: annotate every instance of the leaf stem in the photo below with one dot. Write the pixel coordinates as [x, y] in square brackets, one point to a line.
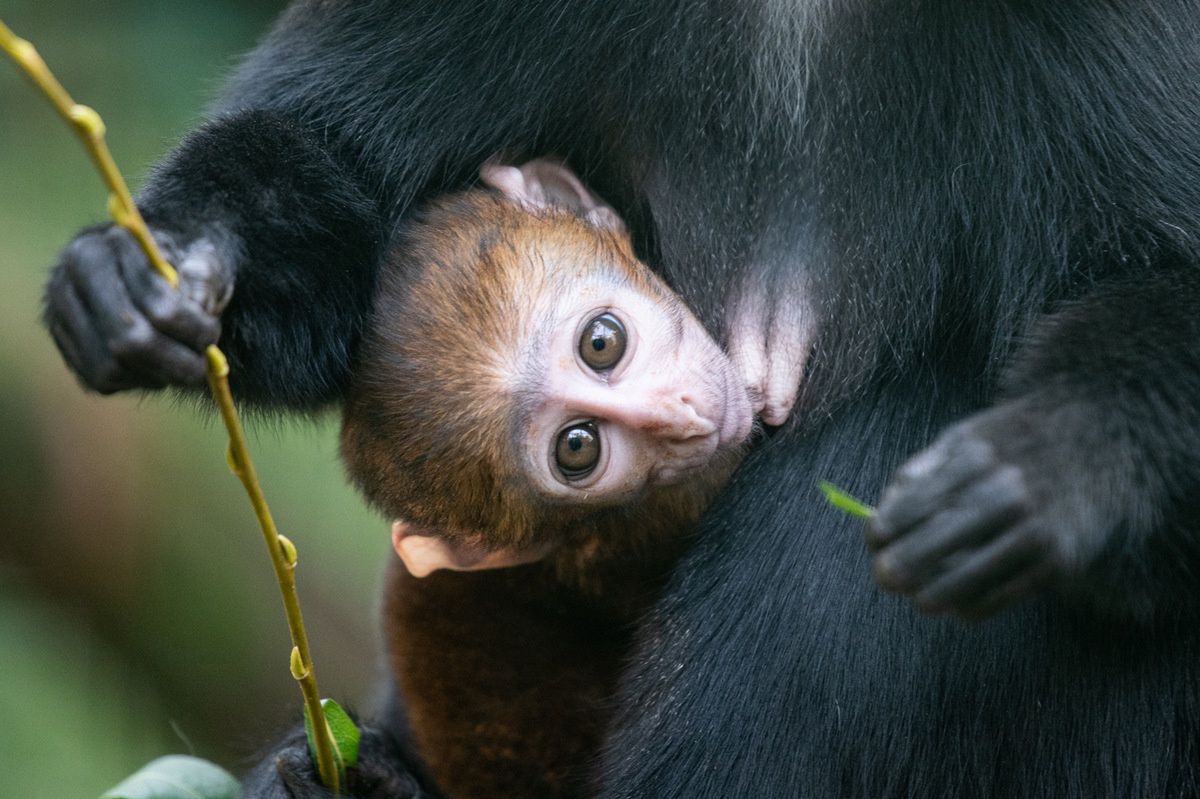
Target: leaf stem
[89, 127]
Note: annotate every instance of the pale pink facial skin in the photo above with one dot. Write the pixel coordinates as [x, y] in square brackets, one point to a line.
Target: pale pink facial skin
[671, 402]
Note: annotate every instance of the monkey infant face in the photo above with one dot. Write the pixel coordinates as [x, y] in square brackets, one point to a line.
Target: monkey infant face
[528, 385]
[634, 393]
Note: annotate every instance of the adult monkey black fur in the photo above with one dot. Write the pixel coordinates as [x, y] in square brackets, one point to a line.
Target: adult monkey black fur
[996, 208]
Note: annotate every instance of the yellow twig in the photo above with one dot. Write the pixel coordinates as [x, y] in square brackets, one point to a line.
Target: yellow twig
[283, 558]
[89, 127]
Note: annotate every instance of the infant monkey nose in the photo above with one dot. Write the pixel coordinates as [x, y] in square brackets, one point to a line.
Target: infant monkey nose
[673, 417]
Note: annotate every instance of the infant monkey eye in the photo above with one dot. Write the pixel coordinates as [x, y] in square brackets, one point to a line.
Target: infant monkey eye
[603, 342]
[577, 450]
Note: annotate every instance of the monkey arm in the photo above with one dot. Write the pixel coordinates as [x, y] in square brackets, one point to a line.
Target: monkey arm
[506, 675]
[1086, 477]
[304, 241]
[250, 202]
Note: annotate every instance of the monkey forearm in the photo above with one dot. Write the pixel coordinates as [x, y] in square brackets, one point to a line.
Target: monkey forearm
[302, 241]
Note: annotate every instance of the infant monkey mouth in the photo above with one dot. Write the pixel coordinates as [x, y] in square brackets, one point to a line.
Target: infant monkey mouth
[693, 463]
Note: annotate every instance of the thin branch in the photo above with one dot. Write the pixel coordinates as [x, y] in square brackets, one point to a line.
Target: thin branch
[89, 127]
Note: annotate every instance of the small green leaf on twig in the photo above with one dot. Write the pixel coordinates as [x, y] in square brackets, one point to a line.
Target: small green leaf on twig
[177, 777]
[843, 501]
[342, 730]
[345, 733]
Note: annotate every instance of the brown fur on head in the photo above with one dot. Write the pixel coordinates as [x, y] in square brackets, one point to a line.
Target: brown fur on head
[429, 432]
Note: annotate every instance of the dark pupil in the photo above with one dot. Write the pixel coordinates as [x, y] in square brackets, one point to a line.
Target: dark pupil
[603, 342]
[577, 450]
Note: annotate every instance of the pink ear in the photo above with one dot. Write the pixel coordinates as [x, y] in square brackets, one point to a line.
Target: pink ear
[424, 554]
[511, 182]
[543, 183]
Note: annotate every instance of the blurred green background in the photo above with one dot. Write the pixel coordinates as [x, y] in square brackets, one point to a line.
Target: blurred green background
[138, 613]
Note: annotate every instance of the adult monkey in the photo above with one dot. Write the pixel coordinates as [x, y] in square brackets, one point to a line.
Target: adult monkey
[995, 207]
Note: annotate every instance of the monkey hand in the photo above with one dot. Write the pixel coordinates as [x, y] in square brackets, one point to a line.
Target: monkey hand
[118, 323]
[987, 514]
[770, 358]
[770, 333]
[289, 772]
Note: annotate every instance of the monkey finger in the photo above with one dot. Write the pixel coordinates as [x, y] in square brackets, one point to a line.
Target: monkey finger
[204, 277]
[60, 307]
[926, 484]
[147, 358]
[158, 361]
[982, 510]
[923, 553]
[81, 344]
[748, 354]
[790, 343]
[167, 309]
[781, 385]
[1022, 585]
[988, 573]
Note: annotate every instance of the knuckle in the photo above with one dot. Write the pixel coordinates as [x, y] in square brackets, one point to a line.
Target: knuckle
[83, 255]
[924, 464]
[975, 450]
[133, 342]
[1012, 488]
[118, 237]
[889, 572]
[162, 310]
[878, 530]
[83, 245]
[893, 493]
[915, 468]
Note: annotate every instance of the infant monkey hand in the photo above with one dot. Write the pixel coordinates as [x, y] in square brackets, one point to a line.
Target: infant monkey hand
[425, 550]
[770, 335]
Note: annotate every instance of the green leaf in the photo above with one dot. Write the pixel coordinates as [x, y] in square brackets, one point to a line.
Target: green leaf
[343, 731]
[843, 501]
[178, 777]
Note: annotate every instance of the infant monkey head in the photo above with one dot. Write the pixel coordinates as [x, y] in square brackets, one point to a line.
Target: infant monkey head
[527, 384]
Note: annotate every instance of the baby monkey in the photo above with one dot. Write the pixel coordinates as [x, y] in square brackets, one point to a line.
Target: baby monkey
[530, 395]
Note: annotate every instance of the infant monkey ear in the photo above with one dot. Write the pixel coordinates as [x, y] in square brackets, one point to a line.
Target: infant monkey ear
[547, 183]
[424, 551]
